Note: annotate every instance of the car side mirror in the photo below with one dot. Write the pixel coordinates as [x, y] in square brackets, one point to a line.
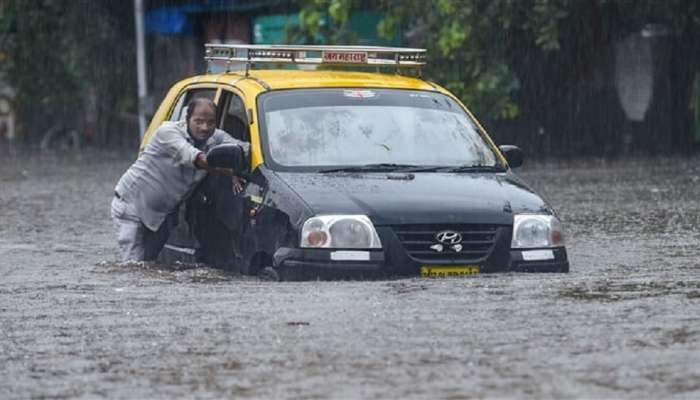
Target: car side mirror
[230, 156]
[513, 155]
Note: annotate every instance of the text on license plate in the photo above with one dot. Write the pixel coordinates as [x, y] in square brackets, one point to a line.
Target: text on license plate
[444, 271]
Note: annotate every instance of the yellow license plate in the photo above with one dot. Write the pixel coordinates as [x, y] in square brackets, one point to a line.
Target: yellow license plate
[446, 271]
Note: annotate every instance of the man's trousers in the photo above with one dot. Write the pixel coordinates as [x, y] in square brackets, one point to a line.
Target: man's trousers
[136, 241]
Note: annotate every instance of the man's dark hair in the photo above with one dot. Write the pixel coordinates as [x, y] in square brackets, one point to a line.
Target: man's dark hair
[197, 102]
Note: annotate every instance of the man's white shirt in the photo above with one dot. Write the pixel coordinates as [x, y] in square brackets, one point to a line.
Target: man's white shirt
[164, 173]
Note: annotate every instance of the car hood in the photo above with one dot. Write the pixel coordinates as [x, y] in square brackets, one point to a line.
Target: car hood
[401, 198]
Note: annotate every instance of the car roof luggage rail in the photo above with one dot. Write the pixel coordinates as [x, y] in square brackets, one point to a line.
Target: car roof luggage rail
[228, 57]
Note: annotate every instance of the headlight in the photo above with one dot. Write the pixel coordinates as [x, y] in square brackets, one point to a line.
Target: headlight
[535, 231]
[340, 232]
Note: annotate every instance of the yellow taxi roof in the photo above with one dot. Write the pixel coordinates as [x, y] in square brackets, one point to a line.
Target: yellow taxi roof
[295, 79]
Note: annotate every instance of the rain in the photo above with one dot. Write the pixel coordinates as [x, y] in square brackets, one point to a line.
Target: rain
[602, 97]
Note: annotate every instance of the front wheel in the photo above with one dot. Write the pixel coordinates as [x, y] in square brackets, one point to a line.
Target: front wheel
[269, 274]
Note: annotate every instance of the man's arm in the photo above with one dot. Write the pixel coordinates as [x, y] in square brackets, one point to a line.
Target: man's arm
[171, 141]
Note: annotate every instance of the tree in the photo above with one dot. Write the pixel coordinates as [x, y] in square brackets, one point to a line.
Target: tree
[541, 69]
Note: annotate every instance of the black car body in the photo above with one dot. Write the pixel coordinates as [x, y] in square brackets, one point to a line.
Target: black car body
[435, 218]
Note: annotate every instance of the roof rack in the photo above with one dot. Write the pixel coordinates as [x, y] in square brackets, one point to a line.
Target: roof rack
[225, 56]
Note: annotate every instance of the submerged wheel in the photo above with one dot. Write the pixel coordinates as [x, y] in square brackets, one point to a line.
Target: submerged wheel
[269, 274]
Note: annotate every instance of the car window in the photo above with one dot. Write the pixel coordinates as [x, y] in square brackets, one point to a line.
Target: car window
[355, 127]
[233, 116]
[180, 110]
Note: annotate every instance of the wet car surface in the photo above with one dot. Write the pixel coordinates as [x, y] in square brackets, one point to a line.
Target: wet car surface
[625, 322]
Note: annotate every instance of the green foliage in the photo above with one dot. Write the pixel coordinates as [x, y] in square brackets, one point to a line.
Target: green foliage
[339, 10]
[323, 21]
[544, 19]
[471, 43]
[465, 48]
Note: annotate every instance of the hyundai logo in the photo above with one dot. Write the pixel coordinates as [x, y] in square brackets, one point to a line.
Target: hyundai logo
[448, 237]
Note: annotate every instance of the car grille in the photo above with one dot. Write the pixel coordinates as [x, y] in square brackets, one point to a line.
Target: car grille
[477, 241]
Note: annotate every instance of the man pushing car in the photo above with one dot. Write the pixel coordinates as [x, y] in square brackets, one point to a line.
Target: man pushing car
[147, 196]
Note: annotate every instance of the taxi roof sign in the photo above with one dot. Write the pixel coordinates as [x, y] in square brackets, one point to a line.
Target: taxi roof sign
[344, 57]
[234, 56]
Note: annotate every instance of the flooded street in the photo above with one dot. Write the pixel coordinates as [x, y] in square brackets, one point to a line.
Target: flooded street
[625, 323]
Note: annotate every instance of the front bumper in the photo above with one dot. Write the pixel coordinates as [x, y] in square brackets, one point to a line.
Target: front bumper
[394, 260]
[314, 263]
[557, 263]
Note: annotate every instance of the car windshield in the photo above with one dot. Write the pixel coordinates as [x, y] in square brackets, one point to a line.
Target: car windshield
[327, 128]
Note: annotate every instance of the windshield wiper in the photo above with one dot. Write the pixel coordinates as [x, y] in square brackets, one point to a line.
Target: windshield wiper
[380, 167]
[476, 168]
[391, 167]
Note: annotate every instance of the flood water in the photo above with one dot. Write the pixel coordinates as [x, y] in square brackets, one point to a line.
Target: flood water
[625, 323]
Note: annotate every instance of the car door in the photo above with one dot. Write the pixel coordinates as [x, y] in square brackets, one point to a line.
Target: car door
[221, 221]
[239, 226]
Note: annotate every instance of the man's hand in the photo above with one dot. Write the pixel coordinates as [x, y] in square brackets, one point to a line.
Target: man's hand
[238, 184]
[201, 161]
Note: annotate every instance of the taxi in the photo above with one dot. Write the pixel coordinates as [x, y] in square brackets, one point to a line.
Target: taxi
[358, 168]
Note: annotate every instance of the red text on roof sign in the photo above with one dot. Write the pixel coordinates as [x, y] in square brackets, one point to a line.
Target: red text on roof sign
[354, 57]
